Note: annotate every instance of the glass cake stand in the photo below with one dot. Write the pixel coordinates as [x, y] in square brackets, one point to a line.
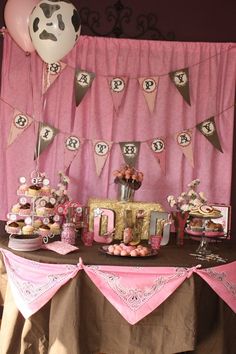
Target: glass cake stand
[203, 248]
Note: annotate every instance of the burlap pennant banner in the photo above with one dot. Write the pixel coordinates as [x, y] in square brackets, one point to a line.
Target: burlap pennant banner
[158, 148]
[71, 149]
[184, 141]
[118, 87]
[149, 89]
[46, 135]
[208, 129]
[130, 151]
[51, 73]
[20, 122]
[101, 150]
[180, 78]
[83, 81]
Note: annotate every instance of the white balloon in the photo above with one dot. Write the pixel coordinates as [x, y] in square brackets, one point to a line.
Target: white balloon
[54, 27]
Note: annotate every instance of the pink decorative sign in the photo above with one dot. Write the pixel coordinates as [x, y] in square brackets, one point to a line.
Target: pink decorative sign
[98, 214]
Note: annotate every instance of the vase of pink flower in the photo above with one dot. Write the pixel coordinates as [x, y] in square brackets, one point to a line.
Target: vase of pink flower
[129, 180]
[183, 204]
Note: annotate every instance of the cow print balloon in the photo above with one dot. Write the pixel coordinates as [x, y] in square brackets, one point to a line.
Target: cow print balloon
[54, 27]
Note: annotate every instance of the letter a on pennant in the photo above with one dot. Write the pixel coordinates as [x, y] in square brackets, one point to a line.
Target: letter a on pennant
[184, 141]
[83, 81]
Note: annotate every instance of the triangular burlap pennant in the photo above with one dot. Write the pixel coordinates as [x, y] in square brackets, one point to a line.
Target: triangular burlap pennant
[46, 134]
[71, 149]
[101, 150]
[149, 89]
[180, 78]
[83, 81]
[208, 129]
[20, 122]
[130, 151]
[158, 148]
[117, 88]
[184, 141]
[51, 73]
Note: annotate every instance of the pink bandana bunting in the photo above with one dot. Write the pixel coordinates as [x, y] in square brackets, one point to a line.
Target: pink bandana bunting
[134, 291]
[33, 284]
[135, 300]
[222, 279]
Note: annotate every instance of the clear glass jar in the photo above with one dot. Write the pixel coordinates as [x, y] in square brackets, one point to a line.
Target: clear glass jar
[68, 233]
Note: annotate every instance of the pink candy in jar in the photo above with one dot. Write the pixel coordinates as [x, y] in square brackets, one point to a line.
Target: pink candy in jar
[68, 233]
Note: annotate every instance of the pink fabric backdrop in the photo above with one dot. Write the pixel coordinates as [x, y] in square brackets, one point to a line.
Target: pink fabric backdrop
[212, 85]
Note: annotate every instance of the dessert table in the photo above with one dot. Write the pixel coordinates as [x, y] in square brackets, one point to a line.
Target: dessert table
[80, 318]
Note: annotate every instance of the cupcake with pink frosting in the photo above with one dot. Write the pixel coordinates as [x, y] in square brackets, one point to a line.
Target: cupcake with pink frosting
[44, 230]
[25, 209]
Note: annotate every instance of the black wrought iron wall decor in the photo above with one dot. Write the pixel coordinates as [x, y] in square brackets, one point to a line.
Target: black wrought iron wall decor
[118, 23]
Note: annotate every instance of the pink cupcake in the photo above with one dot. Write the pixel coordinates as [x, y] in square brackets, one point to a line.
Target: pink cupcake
[45, 191]
[15, 208]
[34, 191]
[55, 228]
[25, 209]
[40, 211]
[13, 228]
[44, 230]
[49, 209]
[22, 190]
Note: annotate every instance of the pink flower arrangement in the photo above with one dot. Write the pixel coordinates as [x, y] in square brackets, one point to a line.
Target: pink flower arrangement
[128, 176]
[188, 200]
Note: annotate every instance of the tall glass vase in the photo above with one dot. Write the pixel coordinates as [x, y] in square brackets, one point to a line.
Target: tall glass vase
[180, 219]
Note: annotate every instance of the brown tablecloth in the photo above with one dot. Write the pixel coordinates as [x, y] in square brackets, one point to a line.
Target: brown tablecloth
[169, 255]
[80, 320]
